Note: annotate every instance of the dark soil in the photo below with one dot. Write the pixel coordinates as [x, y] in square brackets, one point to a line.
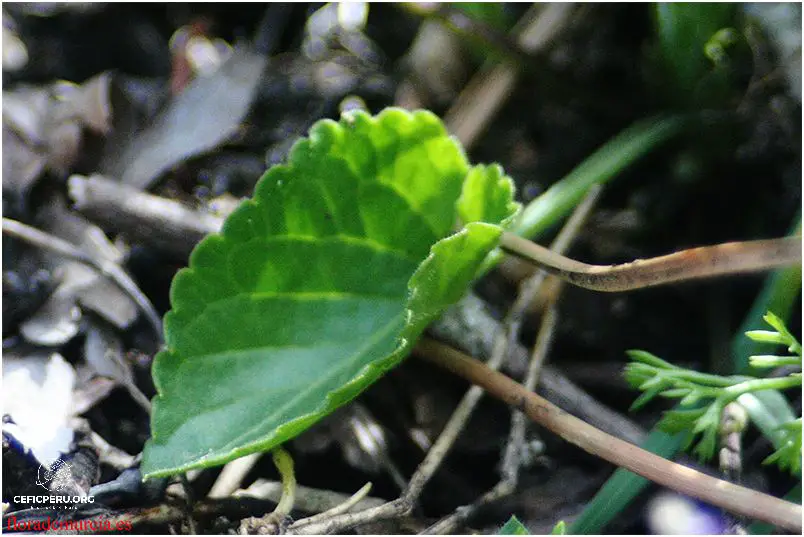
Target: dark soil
[737, 177]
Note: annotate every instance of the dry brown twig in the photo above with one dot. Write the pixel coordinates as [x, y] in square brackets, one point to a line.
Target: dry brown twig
[700, 262]
[731, 497]
[703, 262]
[486, 93]
[109, 269]
[470, 326]
[232, 475]
[512, 457]
[141, 216]
[344, 507]
[514, 448]
[310, 500]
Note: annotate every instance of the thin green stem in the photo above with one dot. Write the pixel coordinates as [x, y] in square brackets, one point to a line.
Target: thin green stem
[758, 385]
[284, 463]
[764, 361]
[705, 380]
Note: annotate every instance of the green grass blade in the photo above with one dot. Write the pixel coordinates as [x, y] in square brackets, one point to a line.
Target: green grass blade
[622, 487]
[604, 164]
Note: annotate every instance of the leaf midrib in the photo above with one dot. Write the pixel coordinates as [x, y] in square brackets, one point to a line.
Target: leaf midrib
[371, 243]
[354, 239]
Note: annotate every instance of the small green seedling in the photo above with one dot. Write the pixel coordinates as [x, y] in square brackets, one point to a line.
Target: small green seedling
[703, 396]
[319, 284]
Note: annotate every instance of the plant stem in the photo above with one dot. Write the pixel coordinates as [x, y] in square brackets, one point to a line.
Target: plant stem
[704, 262]
[276, 521]
[764, 361]
[700, 380]
[284, 463]
[734, 498]
[756, 385]
[353, 500]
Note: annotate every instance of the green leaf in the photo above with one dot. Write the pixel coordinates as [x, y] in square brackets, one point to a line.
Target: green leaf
[680, 393]
[765, 336]
[490, 13]
[768, 360]
[319, 285]
[707, 426]
[513, 527]
[788, 455]
[560, 528]
[781, 336]
[650, 359]
[644, 399]
[655, 383]
[690, 399]
[677, 421]
[787, 338]
[685, 34]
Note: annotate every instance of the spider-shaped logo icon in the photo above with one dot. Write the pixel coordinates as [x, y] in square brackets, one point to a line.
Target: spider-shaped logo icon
[54, 478]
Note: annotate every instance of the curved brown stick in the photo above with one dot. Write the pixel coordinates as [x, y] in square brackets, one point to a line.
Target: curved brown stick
[703, 262]
[733, 498]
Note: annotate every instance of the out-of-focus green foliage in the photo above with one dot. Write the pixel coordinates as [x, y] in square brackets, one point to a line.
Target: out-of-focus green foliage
[703, 59]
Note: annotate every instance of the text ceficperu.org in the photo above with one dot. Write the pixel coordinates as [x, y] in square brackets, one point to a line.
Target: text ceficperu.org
[53, 499]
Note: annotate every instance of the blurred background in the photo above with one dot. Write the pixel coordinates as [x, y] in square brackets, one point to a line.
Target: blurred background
[131, 130]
